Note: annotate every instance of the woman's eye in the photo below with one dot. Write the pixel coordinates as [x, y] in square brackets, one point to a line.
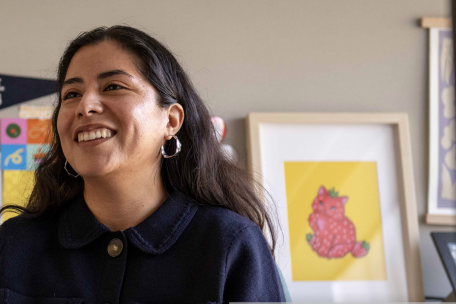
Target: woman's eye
[70, 95]
[113, 87]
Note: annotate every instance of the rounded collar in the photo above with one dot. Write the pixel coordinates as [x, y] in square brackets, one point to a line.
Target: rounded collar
[78, 226]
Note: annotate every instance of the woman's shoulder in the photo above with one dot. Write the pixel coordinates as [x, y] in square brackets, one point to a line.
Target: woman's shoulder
[24, 221]
[249, 266]
[26, 227]
[221, 221]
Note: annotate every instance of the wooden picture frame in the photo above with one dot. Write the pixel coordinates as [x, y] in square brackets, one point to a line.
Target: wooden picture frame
[442, 146]
[277, 141]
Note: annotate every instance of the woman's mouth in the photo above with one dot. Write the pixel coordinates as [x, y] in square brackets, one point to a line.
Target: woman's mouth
[94, 134]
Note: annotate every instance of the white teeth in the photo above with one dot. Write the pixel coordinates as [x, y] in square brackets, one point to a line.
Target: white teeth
[94, 134]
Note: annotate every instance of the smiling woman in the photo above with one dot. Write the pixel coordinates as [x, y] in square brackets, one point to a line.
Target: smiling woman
[136, 201]
[105, 94]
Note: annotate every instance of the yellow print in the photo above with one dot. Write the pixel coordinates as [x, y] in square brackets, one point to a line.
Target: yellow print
[353, 251]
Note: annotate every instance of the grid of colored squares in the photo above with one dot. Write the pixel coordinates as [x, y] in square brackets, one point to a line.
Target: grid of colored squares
[24, 142]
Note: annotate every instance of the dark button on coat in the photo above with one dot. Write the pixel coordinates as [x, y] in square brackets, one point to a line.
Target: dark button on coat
[182, 253]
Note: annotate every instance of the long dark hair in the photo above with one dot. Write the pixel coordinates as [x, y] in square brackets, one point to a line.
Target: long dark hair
[201, 170]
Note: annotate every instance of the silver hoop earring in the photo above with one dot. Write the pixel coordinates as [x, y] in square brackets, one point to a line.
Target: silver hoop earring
[178, 148]
[66, 162]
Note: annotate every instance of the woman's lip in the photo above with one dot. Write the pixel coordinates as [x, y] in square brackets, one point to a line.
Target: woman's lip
[93, 142]
[90, 127]
[96, 133]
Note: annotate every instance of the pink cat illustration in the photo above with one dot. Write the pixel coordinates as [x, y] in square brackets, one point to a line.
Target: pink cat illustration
[335, 234]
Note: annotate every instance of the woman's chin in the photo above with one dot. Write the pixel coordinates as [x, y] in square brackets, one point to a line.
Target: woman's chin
[94, 171]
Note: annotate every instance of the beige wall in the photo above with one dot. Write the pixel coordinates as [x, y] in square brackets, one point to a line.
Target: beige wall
[264, 55]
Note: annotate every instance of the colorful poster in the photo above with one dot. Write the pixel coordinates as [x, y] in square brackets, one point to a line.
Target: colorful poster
[334, 220]
[24, 142]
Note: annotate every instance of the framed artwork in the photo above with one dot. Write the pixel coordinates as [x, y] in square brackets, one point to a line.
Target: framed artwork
[344, 190]
[24, 143]
[442, 120]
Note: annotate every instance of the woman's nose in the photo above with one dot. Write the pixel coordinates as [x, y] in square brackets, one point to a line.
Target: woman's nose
[90, 104]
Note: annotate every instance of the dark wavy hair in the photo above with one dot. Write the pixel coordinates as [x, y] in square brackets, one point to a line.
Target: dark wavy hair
[201, 170]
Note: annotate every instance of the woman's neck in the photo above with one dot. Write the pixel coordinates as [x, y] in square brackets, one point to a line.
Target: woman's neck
[124, 200]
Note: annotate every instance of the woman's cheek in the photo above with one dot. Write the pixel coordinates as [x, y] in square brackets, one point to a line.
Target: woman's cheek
[63, 127]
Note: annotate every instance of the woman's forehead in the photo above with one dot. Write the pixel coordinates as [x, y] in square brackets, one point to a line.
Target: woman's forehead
[91, 60]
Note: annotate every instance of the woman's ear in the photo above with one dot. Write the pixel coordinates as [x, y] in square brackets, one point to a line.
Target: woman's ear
[175, 115]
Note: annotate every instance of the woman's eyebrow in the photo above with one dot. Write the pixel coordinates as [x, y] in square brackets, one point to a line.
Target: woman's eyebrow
[112, 73]
[72, 80]
[100, 76]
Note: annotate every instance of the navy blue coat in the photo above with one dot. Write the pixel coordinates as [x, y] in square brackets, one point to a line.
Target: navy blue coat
[182, 253]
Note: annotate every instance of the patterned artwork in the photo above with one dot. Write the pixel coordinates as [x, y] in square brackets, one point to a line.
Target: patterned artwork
[24, 143]
[442, 169]
[447, 126]
[334, 234]
[335, 221]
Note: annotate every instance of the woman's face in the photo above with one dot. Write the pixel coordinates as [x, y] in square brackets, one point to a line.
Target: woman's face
[109, 120]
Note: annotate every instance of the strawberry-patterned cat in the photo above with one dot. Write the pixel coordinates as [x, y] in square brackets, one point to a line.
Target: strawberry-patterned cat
[335, 234]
